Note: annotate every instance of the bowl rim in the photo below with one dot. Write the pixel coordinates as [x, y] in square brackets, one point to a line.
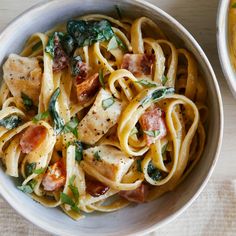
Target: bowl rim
[46, 226]
[223, 46]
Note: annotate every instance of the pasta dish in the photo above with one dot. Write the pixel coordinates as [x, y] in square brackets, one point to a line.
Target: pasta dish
[98, 113]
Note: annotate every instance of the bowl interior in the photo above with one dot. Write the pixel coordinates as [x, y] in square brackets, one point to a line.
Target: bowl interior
[136, 218]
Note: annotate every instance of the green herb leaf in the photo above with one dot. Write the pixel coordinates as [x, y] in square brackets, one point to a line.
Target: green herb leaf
[157, 95]
[121, 44]
[36, 46]
[163, 150]
[113, 44]
[58, 121]
[41, 116]
[78, 151]
[118, 11]
[146, 83]
[139, 166]
[28, 103]
[73, 189]
[101, 78]
[152, 133]
[29, 188]
[67, 200]
[39, 171]
[10, 122]
[153, 172]
[29, 168]
[68, 44]
[164, 80]
[86, 33]
[134, 131]
[75, 65]
[106, 103]
[71, 126]
[97, 156]
[50, 48]
[234, 5]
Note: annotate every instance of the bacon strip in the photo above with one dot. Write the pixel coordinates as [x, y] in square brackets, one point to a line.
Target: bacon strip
[87, 89]
[138, 64]
[95, 188]
[137, 195]
[32, 138]
[55, 177]
[153, 120]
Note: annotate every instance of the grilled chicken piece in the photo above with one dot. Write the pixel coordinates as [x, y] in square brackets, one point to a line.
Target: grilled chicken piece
[100, 118]
[108, 161]
[23, 75]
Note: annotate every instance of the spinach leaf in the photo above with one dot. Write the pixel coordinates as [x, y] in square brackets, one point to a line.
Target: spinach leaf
[41, 116]
[71, 126]
[75, 68]
[153, 172]
[58, 121]
[157, 95]
[50, 48]
[29, 188]
[68, 44]
[87, 33]
[29, 168]
[10, 122]
[28, 103]
[139, 166]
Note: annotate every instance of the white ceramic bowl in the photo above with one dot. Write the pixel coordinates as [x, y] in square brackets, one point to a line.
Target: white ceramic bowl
[133, 220]
[223, 47]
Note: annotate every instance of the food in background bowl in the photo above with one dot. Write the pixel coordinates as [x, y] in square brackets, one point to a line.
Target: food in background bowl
[99, 108]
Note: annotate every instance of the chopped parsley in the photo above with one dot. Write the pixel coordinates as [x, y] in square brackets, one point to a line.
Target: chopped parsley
[97, 156]
[39, 171]
[146, 83]
[71, 126]
[69, 201]
[101, 78]
[41, 116]
[152, 133]
[164, 79]
[73, 189]
[106, 103]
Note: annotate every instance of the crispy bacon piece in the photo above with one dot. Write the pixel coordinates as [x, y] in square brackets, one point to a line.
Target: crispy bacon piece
[137, 195]
[138, 64]
[153, 120]
[60, 60]
[87, 89]
[32, 138]
[55, 177]
[95, 188]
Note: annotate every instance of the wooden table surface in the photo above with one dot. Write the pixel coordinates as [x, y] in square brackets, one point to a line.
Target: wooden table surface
[199, 17]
